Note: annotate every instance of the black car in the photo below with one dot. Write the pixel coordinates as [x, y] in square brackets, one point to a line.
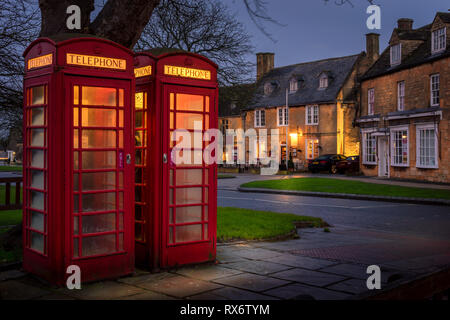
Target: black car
[351, 164]
[326, 162]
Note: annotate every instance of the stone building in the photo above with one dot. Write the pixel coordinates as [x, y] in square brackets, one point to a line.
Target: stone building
[322, 98]
[405, 109]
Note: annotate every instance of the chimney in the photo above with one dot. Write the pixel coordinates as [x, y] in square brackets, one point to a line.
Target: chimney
[372, 46]
[405, 24]
[264, 63]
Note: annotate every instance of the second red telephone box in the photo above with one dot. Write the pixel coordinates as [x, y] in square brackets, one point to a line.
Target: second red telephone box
[182, 212]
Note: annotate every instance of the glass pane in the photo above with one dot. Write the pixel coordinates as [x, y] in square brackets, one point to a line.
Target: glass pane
[99, 245]
[171, 101]
[138, 119]
[76, 94]
[207, 104]
[206, 216]
[37, 221]
[189, 102]
[189, 195]
[37, 200]
[98, 181]
[206, 122]
[120, 138]
[97, 96]
[138, 157]
[98, 139]
[171, 121]
[75, 203]
[188, 177]
[37, 95]
[139, 139]
[75, 247]
[120, 200]
[75, 224]
[75, 138]
[170, 235]
[188, 214]
[186, 120]
[205, 233]
[138, 212]
[121, 241]
[98, 202]
[75, 117]
[139, 101]
[37, 158]
[99, 159]
[206, 195]
[75, 160]
[37, 241]
[98, 223]
[120, 180]
[37, 179]
[37, 138]
[171, 215]
[138, 194]
[91, 117]
[138, 175]
[188, 158]
[37, 117]
[138, 231]
[121, 97]
[188, 233]
[121, 118]
[120, 220]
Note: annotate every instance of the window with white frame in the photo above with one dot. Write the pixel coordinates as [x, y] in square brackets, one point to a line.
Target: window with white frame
[283, 117]
[293, 85]
[427, 146]
[400, 146]
[401, 96]
[369, 148]
[260, 118]
[323, 83]
[312, 115]
[371, 101]
[396, 54]
[438, 40]
[434, 84]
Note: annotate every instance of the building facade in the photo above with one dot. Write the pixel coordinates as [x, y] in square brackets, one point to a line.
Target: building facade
[405, 105]
[322, 99]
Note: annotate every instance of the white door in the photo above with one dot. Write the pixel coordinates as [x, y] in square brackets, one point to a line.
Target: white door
[383, 157]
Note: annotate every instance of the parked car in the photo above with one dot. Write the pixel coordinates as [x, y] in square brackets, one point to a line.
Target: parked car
[351, 164]
[325, 162]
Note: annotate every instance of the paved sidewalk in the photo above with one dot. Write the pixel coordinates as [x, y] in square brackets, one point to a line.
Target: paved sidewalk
[319, 265]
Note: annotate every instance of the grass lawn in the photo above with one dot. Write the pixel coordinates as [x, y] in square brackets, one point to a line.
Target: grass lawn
[10, 168]
[12, 196]
[232, 224]
[348, 186]
[225, 176]
[244, 224]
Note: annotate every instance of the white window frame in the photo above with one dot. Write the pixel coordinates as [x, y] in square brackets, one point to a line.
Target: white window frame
[396, 59]
[323, 81]
[401, 96]
[435, 101]
[371, 101]
[312, 115]
[258, 118]
[419, 128]
[393, 131]
[285, 117]
[439, 40]
[364, 146]
[293, 85]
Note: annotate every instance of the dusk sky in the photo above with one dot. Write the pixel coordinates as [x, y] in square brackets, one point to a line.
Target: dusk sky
[317, 30]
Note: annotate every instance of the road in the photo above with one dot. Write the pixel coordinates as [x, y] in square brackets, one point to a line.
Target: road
[418, 220]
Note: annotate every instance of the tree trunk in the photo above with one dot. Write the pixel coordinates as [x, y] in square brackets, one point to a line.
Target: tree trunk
[121, 21]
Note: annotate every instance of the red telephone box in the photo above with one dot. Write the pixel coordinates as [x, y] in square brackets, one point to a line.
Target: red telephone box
[78, 159]
[146, 172]
[183, 208]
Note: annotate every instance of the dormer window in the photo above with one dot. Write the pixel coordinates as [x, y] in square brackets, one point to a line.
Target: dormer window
[438, 40]
[293, 85]
[396, 54]
[323, 82]
[268, 88]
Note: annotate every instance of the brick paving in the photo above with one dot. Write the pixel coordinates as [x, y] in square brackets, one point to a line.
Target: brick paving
[263, 270]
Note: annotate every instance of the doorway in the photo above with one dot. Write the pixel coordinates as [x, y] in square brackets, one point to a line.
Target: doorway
[383, 157]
